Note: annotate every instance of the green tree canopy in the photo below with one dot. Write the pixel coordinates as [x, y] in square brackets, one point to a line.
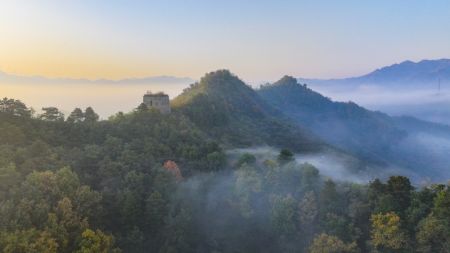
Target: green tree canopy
[76, 116]
[90, 115]
[51, 114]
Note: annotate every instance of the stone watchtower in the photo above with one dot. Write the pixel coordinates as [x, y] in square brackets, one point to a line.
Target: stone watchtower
[158, 101]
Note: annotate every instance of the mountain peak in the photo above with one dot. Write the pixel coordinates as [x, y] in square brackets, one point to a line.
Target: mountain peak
[230, 110]
[285, 80]
[220, 79]
[220, 85]
[424, 71]
[407, 62]
[220, 73]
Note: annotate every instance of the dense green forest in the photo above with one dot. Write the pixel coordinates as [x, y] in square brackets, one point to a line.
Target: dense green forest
[234, 114]
[80, 184]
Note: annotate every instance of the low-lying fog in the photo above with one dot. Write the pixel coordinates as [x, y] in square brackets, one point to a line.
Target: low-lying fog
[338, 166]
[430, 104]
[106, 99]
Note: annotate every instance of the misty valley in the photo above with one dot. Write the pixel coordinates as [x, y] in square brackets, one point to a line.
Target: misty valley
[224, 167]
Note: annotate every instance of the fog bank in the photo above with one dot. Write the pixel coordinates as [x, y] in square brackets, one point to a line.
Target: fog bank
[430, 103]
[106, 99]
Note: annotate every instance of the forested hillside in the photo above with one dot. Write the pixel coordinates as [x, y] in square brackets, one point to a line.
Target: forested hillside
[147, 182]
[370, 135]
[230, 111]
[63, 183]
[346, 125]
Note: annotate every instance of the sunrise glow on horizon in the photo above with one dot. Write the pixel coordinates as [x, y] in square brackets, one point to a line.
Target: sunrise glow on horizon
[256, 40]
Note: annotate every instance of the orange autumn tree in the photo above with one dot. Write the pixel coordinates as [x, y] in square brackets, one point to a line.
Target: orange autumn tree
[172, 167]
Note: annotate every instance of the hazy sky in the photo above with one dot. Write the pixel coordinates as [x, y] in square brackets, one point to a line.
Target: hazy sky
[258, 40]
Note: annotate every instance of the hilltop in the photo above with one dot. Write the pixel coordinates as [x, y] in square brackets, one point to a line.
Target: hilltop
[225, 107]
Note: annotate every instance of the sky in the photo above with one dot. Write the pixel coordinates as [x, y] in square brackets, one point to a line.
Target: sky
[257, 40]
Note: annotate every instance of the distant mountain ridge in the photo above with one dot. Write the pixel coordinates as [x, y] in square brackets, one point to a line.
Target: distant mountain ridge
[404, 73]
[11, 78]
[426, 70]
